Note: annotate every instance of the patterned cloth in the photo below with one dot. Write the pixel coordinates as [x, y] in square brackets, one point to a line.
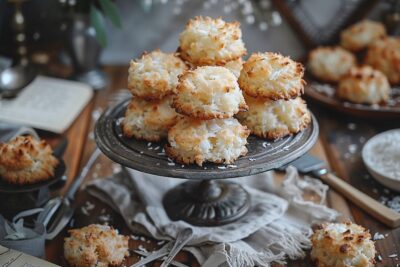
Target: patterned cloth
[277, 226]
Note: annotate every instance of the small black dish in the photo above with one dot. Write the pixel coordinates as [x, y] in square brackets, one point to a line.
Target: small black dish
[13, 188]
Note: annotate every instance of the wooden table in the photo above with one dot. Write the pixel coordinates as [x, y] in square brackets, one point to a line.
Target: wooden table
[341, 139]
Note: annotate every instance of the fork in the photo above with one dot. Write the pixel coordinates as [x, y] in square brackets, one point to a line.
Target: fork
[183, 237]
[52, 207]
[146, 254]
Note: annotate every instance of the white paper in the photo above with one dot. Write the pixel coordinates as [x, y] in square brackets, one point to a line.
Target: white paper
[13, 258]
[47, 103]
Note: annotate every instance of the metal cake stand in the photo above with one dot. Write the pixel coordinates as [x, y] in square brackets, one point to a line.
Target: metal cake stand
[204, 200]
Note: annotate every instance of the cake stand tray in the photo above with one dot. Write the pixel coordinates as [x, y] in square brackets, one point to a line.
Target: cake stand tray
[203, 200]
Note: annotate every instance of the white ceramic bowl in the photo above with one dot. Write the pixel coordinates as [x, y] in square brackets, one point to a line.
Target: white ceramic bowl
[383, 178]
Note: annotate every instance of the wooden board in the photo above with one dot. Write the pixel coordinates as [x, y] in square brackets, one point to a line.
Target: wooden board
[336, 136]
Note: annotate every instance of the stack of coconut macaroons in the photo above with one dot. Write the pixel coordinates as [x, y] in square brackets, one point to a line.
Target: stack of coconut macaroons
[273, 85]
[192, 96]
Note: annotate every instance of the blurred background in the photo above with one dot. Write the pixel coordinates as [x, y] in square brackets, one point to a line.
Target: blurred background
[85, 34]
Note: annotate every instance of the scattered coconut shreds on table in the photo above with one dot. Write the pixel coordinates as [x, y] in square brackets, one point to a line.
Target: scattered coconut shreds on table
[171, 164]
[105, 218]
[141, 248]
[378, 236]
[221, 167]
[394, 255]
[142, 238]
[351, 126]
[149, 144]
[88, 206]
[162, 242]
[394, 203]
[353, 148]
[231, 166]
[157, 148]
[85, 211]
[379, 258]
[134, 237]
[386, 191]
[252, 159]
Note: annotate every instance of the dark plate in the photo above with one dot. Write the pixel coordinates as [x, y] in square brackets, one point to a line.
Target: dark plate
[149, 157]
[11, 188]
[322, 93]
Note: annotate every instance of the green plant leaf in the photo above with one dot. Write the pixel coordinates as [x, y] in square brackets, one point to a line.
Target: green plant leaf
[97, 21]
[111, 11]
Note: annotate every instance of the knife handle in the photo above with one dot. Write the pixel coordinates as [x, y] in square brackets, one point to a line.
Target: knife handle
[376, 209]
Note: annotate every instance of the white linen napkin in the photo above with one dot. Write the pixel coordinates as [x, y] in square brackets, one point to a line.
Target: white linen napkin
[277, 226]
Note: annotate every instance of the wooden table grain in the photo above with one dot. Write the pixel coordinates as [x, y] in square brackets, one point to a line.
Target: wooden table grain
[340, 142]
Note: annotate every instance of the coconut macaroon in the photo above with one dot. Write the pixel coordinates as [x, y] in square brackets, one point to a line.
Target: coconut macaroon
[207, 41]
[149, 120]
[155, 75]
[25, 160]
[197, 141]
[384, 55]
[235, 66]
[330, 63]
[362, 34]
[209, 92]
[364, 85]
[275, 119]
[272, 76]
[342, 244]
[95, 245]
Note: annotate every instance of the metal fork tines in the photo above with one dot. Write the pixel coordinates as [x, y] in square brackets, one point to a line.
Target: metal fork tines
[182, 239]
[146, 254]
[170, 249]
[155, 255]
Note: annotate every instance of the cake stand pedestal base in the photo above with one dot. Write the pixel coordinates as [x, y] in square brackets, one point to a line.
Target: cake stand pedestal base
[207, 202]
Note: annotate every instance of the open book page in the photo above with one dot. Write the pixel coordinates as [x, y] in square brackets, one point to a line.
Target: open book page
[13, 258]
[47, 103]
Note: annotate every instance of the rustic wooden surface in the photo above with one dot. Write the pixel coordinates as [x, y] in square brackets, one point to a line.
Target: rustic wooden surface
[341, 139]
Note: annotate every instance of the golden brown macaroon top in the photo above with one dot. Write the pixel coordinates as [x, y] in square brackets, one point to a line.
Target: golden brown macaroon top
[330, 63]
[208, 41]
[272, 76]
[208, 92]
[155, 75]
[360, 35]
[364, 85]
[384, 55]
[95, 245]
[149, 120]
[342, 245]
[25, 160]
[274, 119]
[198, 141]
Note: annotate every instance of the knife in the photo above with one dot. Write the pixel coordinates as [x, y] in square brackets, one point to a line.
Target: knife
[65, 210]
[308, 164]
